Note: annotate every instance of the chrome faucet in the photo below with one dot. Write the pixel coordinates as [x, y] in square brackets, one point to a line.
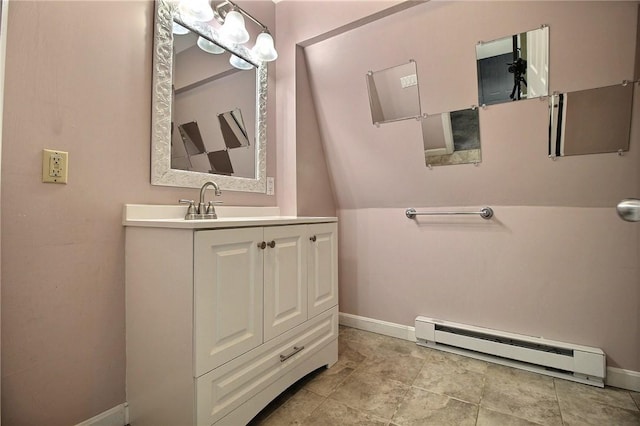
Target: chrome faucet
[208, 212]
[203, 211]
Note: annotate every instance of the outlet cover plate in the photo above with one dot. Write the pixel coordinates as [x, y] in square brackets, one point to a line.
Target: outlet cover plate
[54, 166]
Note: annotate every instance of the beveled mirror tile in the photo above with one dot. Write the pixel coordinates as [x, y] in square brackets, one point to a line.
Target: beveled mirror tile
[451, 380]
[402, 368]
[494, 418]
[609, 396]
[582, 411]
[522, 394]
[370, 393]
[331, 413]
[420, 407]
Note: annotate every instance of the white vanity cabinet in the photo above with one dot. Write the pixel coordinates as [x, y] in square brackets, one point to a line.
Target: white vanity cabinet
[221, 321]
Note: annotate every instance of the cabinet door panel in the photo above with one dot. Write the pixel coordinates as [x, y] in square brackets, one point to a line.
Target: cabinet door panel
[285, 279]
[322, 267]
[228, 295]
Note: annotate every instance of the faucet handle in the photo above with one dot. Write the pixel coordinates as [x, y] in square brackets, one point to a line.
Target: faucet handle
[211, 209]
[191, 210]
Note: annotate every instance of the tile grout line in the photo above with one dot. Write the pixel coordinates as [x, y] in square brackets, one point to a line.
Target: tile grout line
[555, 390]
[403, 397]
[634, 400]
[484, 387]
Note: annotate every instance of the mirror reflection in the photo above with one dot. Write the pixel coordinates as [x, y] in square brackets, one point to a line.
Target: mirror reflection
[514, 67]
[452, 138]
[393, 93]
[211, 100]
[590, 121]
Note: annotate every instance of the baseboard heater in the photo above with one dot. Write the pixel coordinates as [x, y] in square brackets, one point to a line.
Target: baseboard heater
[564, 360]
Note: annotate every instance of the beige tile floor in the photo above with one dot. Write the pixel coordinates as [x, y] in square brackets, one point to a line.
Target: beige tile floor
[379, 380]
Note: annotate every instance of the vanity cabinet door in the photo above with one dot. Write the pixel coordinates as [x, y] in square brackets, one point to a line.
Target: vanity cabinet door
[322, 267]
[285, 279]
[228, 295]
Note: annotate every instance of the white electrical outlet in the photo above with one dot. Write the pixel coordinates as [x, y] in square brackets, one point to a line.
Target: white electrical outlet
[54, 166]
[270, 186]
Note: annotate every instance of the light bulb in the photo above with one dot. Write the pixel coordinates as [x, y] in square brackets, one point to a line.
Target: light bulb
[209, 46]
[233, 29]
[264, 49]
[241, 64]
[179, 29]
[198, 10]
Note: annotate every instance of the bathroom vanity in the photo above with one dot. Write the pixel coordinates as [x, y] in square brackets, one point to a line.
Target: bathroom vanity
[223, 315]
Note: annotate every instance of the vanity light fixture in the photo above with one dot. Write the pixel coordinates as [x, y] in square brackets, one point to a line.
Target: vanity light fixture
[231, 16]
[239, 63]
[232, 32]
[233, 29]
[264, 49]
[198, 10]
[179, 29]
[209, 47]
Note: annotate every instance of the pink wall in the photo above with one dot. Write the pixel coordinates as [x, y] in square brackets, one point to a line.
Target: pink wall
[78, 78]
[298, 22]
[556, 261]
[80, 81]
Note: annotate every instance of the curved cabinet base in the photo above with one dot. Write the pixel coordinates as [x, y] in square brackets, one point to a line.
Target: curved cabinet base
[226, 388]
[326, 356]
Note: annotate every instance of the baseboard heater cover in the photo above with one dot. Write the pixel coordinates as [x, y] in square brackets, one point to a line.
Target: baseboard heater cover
[564, 360]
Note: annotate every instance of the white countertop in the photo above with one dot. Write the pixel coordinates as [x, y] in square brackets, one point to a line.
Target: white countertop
[160, 216]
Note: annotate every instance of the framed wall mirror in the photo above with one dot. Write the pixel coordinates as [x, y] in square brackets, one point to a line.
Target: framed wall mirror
[513, 68]
[208, 117]
[452, 138]
[590, 121]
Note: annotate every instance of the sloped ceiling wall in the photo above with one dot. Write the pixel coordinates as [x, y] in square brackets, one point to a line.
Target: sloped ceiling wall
[592, 45]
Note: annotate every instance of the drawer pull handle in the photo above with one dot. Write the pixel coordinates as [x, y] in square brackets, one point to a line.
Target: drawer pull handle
[313, 239]
[262, 245]
[271, 244]
[296, 349]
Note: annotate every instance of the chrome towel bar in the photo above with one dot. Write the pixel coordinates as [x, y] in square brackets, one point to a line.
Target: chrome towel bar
[485, 213]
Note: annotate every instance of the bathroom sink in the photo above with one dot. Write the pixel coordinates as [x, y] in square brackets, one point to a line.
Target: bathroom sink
[172, 216]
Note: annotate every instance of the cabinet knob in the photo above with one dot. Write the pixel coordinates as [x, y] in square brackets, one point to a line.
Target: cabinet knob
[262, 245]
[313, 239]
[271, 244]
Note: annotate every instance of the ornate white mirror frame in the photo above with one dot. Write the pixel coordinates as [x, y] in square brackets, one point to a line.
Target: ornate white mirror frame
[161, 171]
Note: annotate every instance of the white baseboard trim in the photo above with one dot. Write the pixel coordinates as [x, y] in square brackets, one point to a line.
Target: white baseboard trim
[616, 377]
[377, 326]
[623, 379]
[116, 416]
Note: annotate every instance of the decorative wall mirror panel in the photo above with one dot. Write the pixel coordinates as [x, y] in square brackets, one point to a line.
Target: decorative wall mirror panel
[208, 117]
[590, 121]
[394, 94]
[452, 138]
[514, 67]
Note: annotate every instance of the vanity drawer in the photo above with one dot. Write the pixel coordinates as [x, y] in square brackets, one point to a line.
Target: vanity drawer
[228, 386]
